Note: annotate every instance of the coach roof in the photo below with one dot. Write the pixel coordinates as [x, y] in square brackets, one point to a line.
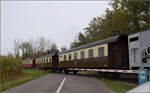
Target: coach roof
[49, 55]
[108, 40]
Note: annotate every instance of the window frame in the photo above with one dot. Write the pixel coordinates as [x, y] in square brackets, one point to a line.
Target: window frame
[89, 53]
[47, 60]
[65, 58]
[82, 54]
[100, 52]
[75, 55]
[69, 56]
[133, 39]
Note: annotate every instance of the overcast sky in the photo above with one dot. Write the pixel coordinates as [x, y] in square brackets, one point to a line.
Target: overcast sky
[58, 21]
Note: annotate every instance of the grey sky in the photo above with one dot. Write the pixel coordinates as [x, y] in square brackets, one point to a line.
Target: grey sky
[58, 21]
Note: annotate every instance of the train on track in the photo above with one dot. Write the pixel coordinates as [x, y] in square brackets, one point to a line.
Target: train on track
[118, 52]
[29, 63]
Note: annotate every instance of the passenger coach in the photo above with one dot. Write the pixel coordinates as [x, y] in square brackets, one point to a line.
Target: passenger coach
[48, 62]
[29, 63]
[109, 53]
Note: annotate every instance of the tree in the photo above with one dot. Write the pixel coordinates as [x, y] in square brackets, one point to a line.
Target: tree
[54, 48]
[125, 17]
[27, 49]
[16, 48]
[63, 48]
[32, 47]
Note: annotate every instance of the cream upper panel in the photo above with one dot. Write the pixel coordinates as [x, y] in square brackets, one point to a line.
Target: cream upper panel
[95, 52]
[61, 57]
[49, 59]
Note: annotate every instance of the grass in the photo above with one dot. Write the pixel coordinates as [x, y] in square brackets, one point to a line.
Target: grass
[118, 86]
[28, 74]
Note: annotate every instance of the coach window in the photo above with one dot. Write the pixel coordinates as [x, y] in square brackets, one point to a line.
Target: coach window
[101, 51]
[69, 56]
[75, 55]
[82, 54]
[64, 57]
[90, 53]
[134, 39]
[47, 60]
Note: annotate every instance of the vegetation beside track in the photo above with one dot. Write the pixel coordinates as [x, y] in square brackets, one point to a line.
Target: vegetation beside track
[118, 86]
[27, 75]
[10, 68]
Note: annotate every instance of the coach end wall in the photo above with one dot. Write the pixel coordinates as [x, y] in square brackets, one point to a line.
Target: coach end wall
[136, 49]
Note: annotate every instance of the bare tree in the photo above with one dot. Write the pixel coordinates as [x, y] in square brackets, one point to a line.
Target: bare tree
[43, 44]
[35, 46]
[16, 48]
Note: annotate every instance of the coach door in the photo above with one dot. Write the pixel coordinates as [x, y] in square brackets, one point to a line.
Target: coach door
[114, 56]
[54, 63]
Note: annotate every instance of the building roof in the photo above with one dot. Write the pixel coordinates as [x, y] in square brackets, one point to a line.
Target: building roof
[108, 40]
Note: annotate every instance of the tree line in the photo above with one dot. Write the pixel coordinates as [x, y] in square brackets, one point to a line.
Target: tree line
[34, 47]
[125, 17]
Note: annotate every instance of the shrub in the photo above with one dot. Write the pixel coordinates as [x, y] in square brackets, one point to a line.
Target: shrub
[10, 68]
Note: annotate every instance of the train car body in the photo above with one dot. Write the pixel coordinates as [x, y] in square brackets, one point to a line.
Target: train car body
[48, 62]
[29, 63]
[108, 53]
[139, 49]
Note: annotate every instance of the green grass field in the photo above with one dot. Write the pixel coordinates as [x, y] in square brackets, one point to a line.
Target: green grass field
[117, 86]
[28, 74]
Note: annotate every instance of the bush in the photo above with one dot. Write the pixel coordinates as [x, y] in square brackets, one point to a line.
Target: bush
[10, 67]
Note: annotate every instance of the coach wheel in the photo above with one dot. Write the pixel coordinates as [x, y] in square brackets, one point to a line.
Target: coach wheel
[60, 70]
[53, 71]
[66, 71]
[116, 75]
[75, 72]
[100, 73]
[104, 74]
